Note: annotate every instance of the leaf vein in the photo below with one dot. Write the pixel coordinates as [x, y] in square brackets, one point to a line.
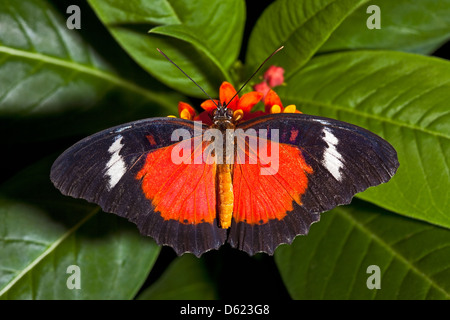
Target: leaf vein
[369, 116]
[88, 70]
[392, 251]
[45, 253]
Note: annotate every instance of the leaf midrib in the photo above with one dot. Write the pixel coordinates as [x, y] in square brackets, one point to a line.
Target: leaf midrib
[311, 53]
[71, 65]
[308, 19]
[47, 251]
[368, 116]
[389, 249]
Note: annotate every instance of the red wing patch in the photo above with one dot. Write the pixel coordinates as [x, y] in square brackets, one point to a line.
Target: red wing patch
[151, 140]
[184, 192]
[263, 197]
[293, 137]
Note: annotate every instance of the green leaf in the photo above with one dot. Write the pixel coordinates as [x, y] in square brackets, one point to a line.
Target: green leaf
[184, 33]
[42, 233]
[206, 57]
[301, 26]
[186, 279]
[403, 98]
[404, 27]
[332, 261]
[47, 70]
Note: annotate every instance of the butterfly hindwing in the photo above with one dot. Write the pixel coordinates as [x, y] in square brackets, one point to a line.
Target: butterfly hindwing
[321, 163]
[128, 170]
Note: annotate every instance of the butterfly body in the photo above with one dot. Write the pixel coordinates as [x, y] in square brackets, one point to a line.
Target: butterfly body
[225, 195]
[224, 121]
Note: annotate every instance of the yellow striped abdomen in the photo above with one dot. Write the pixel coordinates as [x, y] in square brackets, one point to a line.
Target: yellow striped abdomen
[225, 195]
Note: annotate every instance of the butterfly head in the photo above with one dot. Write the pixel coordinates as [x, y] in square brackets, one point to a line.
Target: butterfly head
[222, 113]
[231, 108]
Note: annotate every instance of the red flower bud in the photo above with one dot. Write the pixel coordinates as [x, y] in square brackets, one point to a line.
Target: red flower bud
[274, 76]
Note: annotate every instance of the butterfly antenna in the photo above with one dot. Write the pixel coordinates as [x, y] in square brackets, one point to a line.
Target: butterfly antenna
[254, 73]
[187, 76]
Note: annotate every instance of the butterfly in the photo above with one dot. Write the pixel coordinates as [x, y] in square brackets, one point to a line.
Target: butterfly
[254, 180]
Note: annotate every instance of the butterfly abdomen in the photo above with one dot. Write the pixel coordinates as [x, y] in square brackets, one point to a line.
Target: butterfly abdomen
[225, 195]
[224, 182]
